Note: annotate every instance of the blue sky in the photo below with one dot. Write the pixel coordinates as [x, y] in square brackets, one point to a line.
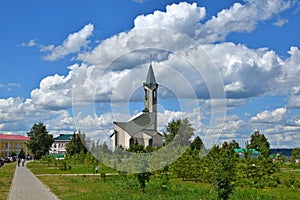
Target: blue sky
[48, 48]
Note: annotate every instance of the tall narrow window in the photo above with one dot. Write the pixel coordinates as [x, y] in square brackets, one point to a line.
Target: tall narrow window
[116, 139]
[146, 94]
[151, 142]
[131, 141]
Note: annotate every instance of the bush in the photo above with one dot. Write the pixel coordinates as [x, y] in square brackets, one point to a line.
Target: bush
[292, 182]
[64, 165]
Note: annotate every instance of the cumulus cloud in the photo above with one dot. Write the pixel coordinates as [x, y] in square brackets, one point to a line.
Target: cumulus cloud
[270, 116]
[114, 70]
[241, 18]
[182, 17]
[55, 92]
[74, 43]
[186, 18]
[18, 115]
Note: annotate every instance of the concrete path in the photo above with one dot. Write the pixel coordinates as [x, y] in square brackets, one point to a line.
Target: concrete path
[26, 186]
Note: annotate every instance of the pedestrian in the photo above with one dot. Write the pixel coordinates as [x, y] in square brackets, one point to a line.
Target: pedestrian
[19, 160]
[23, 161]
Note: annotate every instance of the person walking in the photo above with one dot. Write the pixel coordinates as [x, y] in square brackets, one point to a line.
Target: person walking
[23, 162]
[19, 160]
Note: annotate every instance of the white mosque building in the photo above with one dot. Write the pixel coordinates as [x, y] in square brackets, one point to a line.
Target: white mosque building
[143, 128]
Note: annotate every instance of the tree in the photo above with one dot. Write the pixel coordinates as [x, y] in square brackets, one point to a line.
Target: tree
[179, 132]
[40, 141]
[144, 175]
[183, 165]
[197, 144]
[75, 146]
[260, 142]
[172, 130]
[234, 144]
[225, 171]
[296, 153]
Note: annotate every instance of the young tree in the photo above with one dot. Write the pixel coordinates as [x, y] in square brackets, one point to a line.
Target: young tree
[179, 132]
[144, 175]
[296, 153]
[40, 141]
[172, 130]
[197, 144]
[182, 166]
[75, 146]
[225, 171]
[234, 144]
[260, 142]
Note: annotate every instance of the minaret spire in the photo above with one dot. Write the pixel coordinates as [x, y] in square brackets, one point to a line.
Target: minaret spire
[150, 80]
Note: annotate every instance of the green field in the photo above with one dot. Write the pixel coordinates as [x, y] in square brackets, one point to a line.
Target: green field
[126, 186]
[6, 176]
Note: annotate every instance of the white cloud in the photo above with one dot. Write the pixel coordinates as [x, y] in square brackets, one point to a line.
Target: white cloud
[30, 43]
[55, 92]
[9, 86]
[294, 101]
[121, 60]
[240, 18]
[140, 1]
[270, 116]
[186, 18]
[73, 44]
[182, 17]
[280, 22]
[18, 115]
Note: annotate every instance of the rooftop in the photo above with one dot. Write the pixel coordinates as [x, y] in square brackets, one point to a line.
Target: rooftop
[13, 137]
[64, 137]
[140, 123]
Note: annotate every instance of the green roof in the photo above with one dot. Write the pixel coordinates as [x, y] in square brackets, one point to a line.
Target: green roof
[58, 155]
[244, 150]
[64, 137]
[150, 80]
[140, 123]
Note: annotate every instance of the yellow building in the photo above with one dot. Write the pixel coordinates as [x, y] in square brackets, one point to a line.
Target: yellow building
[12, 144]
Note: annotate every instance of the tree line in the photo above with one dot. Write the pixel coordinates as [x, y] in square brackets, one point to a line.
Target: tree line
[219, 166]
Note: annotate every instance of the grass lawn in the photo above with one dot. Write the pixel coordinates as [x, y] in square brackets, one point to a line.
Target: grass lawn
[126, 187]
[42, 167]
[117, 187]
[6, 176]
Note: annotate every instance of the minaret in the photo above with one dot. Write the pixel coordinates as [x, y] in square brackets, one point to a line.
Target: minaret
[150, 87]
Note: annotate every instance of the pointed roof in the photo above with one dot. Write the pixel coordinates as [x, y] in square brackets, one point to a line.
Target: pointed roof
[150, 80]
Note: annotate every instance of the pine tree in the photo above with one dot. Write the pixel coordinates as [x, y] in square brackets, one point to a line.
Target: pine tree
[40, 141]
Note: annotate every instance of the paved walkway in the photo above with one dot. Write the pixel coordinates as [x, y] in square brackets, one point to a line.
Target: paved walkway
[26, 186]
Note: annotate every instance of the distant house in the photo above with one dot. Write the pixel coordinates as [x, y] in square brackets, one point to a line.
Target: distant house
[242, 151]
[59, 145]
[12, 144]
[143, 128]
